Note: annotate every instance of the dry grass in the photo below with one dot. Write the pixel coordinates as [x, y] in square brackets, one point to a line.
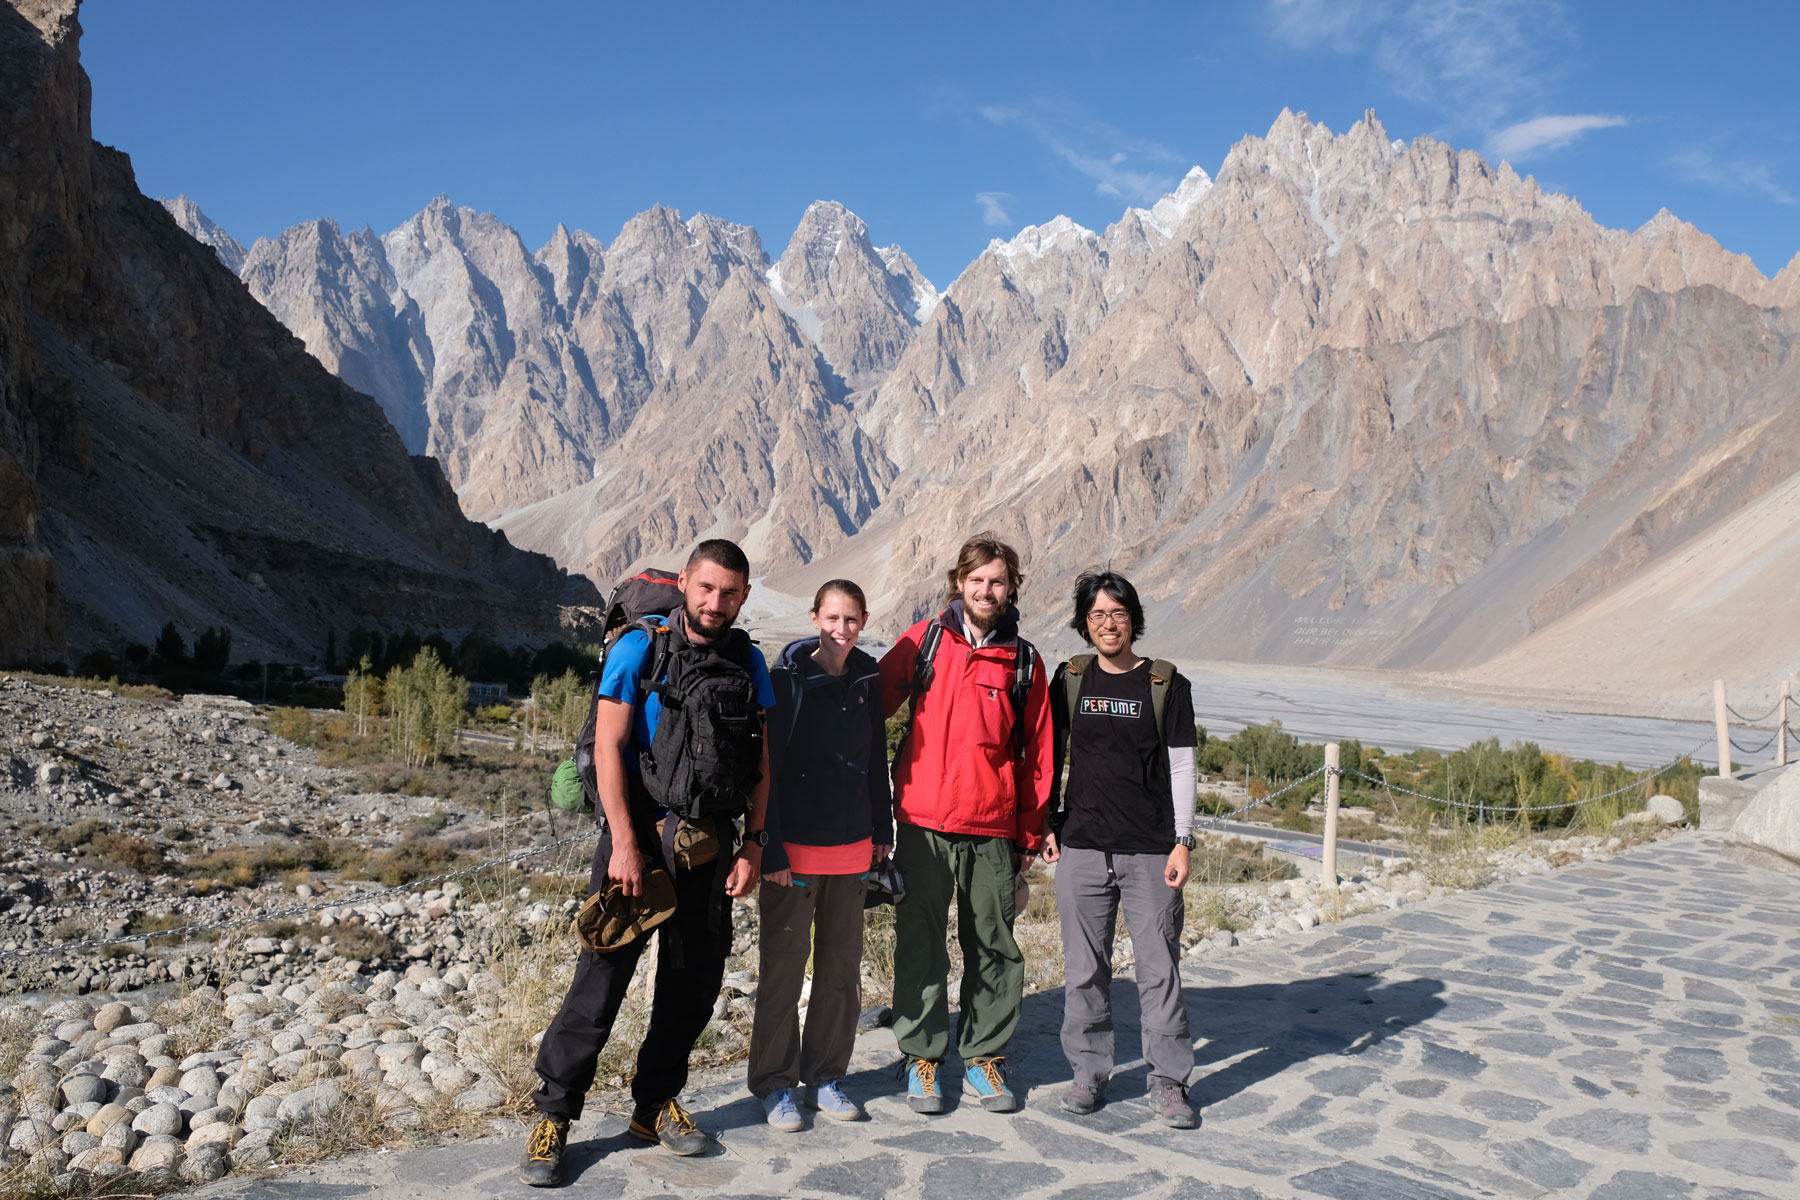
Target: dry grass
[16, 1024]
[197, 1020]
[1206, 913]
[89, 683]
[878, 947]
[1038, 931]
[1452, 853]
[1222, 862]
[534, 972]
[25, 1182]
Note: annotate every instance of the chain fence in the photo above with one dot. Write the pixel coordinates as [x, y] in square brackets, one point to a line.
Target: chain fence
[1775, 708]
[1214, 819]
[1757, 750]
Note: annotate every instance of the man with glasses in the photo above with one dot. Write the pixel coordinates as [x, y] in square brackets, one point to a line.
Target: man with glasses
[1121, 833]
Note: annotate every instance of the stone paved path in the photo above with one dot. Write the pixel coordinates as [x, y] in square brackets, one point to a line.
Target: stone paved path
[1626, 1031]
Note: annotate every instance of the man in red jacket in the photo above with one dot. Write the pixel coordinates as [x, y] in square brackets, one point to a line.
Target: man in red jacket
[971, 787]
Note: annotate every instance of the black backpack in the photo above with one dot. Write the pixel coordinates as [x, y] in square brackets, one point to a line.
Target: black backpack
[1019, 692]
[707, 752]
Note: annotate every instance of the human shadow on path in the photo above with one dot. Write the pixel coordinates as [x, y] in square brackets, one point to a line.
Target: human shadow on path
[1256, 1031]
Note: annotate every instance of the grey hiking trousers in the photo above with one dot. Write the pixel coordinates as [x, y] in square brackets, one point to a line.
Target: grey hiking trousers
[820, 920]
[1090, 886]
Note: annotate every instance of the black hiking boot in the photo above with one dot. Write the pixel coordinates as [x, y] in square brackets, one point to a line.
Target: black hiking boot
[544, 1153]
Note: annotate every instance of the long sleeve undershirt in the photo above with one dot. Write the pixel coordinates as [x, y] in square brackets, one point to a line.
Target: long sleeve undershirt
[1183, 785]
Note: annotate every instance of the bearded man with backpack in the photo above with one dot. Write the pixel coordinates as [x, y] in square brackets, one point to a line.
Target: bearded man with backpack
[1121, 833]
[677, 756]
[971, 784]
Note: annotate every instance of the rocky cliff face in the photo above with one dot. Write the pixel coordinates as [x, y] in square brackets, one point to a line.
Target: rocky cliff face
[1351, 402]
[168, 451]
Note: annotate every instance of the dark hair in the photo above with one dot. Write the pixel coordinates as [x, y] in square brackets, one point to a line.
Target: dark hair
[977, 553]
[842, 587]
[721, 553]
[1088, 589]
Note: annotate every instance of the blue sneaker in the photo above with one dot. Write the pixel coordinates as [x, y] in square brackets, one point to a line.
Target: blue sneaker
[829, 1098]
[779, 1105]
[986, 1077]
[922, 1090]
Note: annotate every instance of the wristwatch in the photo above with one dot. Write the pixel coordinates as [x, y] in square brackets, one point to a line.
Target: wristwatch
[1186, 841]
[759, 836]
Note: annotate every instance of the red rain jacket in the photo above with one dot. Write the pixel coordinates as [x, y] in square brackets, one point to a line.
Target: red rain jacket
[957, 772]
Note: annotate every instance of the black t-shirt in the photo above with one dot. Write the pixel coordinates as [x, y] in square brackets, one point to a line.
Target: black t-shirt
[1118, 792]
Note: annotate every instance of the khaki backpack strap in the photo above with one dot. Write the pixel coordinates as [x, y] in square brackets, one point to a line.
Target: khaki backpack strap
[1162, 678]
[1072, 683]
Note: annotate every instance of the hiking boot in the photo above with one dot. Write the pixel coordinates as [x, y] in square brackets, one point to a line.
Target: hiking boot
[829, 1098]
[669, 1124]
[778, 1105]
[1170, 1104]
[1081, 1097]
[922, 1091]
[986, 1077]
[544, 1153]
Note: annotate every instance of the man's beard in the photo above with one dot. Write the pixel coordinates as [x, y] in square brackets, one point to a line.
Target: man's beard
[696, 623]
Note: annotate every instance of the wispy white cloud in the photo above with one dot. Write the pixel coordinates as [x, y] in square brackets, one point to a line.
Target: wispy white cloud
[993, 208]
[1740, 174]
[1338, 25]
[1547, 133]
[1132, 169]
[1475, 61]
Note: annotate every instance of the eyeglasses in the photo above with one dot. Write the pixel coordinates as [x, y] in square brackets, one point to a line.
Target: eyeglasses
[1115, 617]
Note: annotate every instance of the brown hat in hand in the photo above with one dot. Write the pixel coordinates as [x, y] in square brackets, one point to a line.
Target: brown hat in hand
[611, 919]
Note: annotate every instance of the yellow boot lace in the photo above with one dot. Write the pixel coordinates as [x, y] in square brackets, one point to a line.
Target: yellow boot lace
[674, 1114]
[546, 1141]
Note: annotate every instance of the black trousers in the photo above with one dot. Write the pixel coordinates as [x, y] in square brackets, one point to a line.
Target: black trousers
[688, 976]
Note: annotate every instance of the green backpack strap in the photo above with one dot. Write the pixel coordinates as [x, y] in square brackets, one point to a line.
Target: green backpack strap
[1162, 678]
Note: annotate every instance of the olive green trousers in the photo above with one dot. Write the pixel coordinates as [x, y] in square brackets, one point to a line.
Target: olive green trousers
[978, 872]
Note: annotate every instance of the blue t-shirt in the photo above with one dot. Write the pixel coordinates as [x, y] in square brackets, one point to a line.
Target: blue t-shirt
[620, 681]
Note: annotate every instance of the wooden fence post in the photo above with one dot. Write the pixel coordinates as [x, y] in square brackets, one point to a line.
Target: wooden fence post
[1333, 785]
[1724, 728]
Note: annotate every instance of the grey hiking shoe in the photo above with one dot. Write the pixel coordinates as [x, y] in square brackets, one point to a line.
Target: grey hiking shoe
[1082, 1097]
[1170, 1103]
[544, 1153]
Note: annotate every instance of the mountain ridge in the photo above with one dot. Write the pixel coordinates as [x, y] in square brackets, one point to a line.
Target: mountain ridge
[1179, 393]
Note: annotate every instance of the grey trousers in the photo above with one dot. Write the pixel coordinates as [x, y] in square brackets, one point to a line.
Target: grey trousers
[823, 920]
[1090, 886]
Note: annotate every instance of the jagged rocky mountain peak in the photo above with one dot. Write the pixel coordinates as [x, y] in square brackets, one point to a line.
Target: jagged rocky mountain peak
[203, 229]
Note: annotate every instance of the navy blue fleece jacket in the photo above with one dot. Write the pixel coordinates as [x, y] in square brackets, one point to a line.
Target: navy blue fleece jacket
[827, 755]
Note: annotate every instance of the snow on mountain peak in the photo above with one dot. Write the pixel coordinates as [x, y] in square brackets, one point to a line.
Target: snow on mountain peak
[1034, 241]
[900, 265]
[1166, 213]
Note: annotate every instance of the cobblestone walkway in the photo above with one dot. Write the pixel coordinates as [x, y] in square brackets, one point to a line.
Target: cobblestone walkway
[1626, 1031]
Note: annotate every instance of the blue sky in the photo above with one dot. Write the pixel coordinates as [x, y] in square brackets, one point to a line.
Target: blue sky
[942, 125]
